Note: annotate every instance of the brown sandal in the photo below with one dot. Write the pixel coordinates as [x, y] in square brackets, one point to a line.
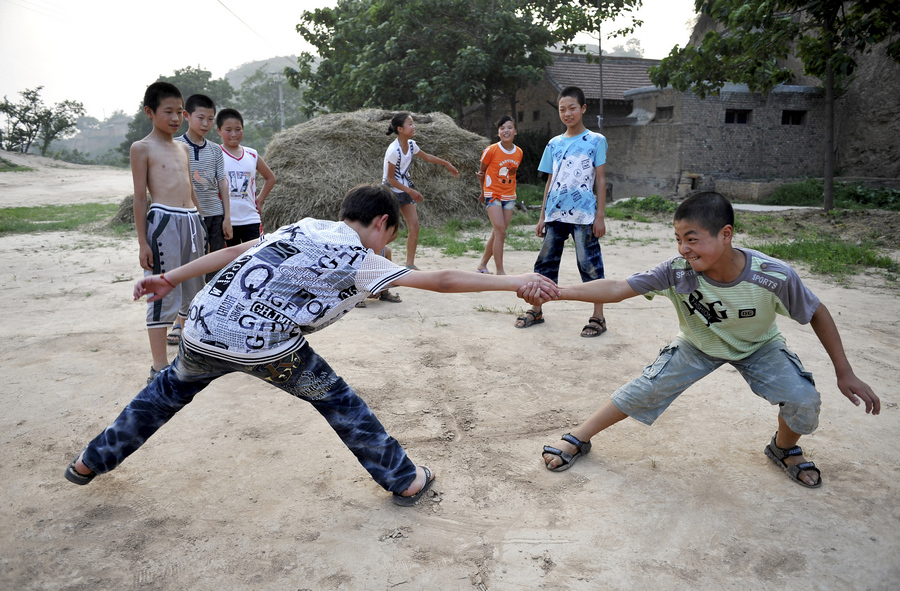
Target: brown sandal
[530, 318]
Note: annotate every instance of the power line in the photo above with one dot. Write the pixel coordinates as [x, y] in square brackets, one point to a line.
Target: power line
[264, 40]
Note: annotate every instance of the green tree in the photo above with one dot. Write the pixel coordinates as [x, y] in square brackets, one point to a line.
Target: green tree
[29, 120]
[437, 55]
[827, 35]
[262, 99]
[189, 81]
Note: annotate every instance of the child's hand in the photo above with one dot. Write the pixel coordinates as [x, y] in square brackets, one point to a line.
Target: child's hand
[857, 390]
[481, 198]
[154, 287]
[227, 232]
[539, 230]
[453, 170]
[145, 257]
[538, 290]
[416, 196]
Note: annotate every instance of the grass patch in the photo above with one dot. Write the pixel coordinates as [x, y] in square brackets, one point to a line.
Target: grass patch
[829, 256]
[7, 166]
[52, 218]
[645, 210]
[811, 192]
[530, 194]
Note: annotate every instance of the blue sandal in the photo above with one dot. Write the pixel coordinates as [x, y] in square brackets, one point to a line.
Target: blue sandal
[777, 455]
[567, 458]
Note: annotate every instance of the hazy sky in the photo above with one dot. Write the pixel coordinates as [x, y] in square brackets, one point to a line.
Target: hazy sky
[104, 53]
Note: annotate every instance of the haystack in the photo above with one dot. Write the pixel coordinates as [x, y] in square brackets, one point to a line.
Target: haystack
[317, 162]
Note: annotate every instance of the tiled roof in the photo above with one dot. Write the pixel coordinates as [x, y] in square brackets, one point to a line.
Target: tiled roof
[619, 74]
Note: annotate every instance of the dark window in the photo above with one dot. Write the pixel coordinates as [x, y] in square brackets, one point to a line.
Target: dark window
[793, 117]
[536, 115]
[521, 116]
[664, 113]
[739, 116]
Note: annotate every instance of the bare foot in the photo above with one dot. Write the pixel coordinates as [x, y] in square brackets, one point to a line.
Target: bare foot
[810, 477]
[81, 468]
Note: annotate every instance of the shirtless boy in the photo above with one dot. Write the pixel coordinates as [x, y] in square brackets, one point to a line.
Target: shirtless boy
[170, 233]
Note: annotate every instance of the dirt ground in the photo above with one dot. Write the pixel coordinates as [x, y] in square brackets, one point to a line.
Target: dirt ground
[249, 489]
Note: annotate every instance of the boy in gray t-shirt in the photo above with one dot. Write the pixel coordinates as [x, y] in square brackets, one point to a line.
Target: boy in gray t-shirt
[727, 300]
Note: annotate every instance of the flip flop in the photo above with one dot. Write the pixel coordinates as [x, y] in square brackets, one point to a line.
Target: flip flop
[387, 296]
[411, 500]
[73, 475]
[485, 271]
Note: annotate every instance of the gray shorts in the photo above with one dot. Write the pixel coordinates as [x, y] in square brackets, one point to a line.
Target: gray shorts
[404, 198]
[177, 236]
[773, 372]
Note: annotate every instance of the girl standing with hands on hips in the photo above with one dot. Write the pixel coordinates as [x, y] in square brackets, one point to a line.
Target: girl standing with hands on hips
[397, 160]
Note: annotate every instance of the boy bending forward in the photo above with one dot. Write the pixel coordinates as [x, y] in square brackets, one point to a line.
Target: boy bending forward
[253, 318]
[726, 299]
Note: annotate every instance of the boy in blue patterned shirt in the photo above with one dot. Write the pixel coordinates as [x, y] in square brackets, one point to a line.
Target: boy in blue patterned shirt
[574, 204]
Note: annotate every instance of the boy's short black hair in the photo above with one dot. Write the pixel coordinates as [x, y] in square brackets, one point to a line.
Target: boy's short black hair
[397, 121]
[200, 101]
[504, 119]
[224, 114]
[572, 92]
[709, 210]
[364, 203]
[159, 91]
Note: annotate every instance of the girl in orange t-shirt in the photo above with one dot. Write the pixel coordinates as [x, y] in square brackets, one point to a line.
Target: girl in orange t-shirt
[499, 164]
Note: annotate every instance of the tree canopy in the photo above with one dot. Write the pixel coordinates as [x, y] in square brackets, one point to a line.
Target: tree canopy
[437, 55]
[757, 35]
[29, 120]
[189, 81]
[262, 99]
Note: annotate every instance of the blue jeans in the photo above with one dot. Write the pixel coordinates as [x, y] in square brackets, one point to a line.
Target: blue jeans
[302, 374]
[587, 251]
[773, 372]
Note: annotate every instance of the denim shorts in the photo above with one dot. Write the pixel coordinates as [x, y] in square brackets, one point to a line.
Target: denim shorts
[495, 202]
[404, 198]
[773, 372]
[587, 251]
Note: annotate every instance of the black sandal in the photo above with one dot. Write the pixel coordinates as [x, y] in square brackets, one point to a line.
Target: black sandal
[567, 458]
[530, 318]
[777, 455]
[597, 325]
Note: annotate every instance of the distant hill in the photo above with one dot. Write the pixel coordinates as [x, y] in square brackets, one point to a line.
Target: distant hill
[272, 65]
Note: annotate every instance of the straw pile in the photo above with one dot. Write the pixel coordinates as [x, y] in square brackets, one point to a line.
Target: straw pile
[317, 162]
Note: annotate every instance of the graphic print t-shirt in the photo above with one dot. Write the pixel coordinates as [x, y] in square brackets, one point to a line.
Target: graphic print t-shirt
[298, 280]
[241, 175]
[730, 320]
[571, 161]
[500, 175]
[394, 155]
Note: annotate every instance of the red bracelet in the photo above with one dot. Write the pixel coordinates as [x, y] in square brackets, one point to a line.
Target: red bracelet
[163, 277]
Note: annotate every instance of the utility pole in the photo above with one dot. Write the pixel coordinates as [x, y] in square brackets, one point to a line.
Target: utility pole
[600, 62]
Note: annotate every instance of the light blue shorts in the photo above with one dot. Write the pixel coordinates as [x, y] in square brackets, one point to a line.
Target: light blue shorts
[495, 202]
[773, 372]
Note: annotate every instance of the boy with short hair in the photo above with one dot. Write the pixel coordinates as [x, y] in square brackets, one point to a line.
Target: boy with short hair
[253, 318]
[727, 299]
[208, 176]
[574, 204]
[171, 232]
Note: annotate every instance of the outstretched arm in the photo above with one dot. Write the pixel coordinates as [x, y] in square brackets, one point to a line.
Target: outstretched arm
[160, 285]
[850, 386]
[599, 291]
[453, 281]
[436, 160]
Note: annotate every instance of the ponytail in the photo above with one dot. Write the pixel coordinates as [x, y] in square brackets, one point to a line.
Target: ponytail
[397, 121]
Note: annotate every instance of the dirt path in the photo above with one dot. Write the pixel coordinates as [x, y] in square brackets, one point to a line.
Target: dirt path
[249, 489]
